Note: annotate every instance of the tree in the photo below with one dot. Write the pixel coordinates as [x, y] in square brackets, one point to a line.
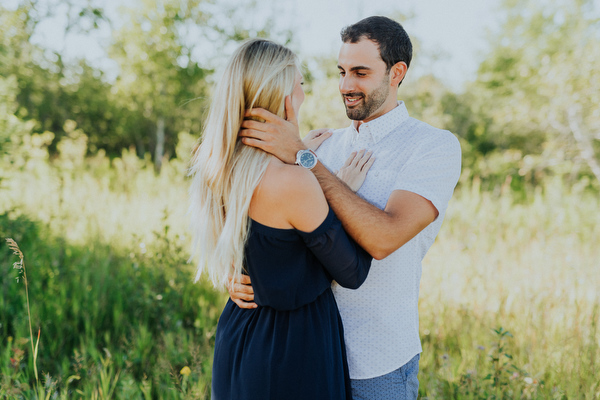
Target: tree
[542, 82]
[157, 74]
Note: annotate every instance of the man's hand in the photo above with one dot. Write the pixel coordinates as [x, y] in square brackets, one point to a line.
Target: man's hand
[241, 293]
[280, 137]
[354, 171]
[315, 138]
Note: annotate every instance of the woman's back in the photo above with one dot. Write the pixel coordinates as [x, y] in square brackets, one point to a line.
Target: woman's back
[291, 346]
[288, 196]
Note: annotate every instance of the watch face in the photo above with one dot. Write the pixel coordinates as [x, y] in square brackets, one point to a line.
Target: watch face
[308, 160]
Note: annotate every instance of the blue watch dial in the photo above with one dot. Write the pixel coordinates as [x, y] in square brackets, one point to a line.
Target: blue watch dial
[307, 159]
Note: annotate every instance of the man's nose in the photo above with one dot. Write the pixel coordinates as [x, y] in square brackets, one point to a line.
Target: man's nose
[346, 84]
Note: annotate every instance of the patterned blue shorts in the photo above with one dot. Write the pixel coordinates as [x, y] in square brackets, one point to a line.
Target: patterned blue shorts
[401, 384]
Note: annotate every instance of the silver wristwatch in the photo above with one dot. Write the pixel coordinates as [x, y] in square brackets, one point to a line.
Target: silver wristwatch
[306, 158]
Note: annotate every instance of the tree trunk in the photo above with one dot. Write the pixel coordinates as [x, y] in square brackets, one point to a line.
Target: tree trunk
[159, 151]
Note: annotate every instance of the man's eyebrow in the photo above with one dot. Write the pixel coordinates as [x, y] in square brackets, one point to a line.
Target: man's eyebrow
[358, 67]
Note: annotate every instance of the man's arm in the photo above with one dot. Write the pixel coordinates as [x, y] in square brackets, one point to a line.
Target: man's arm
[379, 232]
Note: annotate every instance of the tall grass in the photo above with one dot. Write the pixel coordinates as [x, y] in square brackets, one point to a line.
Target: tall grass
[509, 305]
[531, 267]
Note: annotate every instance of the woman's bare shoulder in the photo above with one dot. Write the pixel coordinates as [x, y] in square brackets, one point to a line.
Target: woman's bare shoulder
[289, 195]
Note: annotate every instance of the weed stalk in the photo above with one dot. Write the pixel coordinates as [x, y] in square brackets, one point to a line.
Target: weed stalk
[20, 265]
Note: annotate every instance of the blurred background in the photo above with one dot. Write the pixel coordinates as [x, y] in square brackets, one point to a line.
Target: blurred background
[101, 103]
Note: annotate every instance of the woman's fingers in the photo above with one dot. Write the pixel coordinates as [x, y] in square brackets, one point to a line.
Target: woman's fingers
[349, 160]
[316, 137]
[362, 162]
[365, 168]
[354, 171]
[358, 157]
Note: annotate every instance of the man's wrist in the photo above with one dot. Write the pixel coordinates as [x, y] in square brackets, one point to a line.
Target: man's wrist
[299, 147]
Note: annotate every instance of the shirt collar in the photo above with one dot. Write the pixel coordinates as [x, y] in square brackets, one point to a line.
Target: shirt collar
[380, 127]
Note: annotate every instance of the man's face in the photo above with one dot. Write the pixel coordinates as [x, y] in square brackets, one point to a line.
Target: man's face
[364, 83]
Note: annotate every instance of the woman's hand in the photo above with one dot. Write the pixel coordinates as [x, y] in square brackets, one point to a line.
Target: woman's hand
[354, 171]
[314, 138]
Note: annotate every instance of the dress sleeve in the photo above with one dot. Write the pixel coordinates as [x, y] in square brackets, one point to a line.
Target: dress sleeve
[346, 262]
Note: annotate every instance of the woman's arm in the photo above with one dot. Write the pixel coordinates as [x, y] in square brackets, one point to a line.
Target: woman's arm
[345, 261]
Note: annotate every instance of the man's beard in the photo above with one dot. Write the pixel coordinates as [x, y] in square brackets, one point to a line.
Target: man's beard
[370, 103]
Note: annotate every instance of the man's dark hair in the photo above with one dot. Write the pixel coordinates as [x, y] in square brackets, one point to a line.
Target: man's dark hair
[393, 41]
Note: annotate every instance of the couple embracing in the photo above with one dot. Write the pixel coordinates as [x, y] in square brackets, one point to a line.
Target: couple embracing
[319, 241]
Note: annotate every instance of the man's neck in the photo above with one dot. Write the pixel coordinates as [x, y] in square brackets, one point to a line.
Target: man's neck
[374, 116]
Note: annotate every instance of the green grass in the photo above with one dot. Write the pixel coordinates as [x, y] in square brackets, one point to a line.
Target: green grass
[106, 245]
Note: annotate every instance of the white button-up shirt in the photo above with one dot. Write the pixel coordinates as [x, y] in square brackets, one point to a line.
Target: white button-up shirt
[381, 321]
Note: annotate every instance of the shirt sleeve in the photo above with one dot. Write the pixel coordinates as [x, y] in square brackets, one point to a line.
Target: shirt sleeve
[345, 261]
[433, 170]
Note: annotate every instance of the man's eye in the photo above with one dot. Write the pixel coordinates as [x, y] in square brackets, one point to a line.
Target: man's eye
[342, 73]
[360, 74]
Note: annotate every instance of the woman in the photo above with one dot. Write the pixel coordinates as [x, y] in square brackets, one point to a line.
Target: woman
[253, 214]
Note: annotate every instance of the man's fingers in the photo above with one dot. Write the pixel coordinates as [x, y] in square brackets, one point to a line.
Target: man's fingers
[254, 134]
[244, 279]
[290, 114]
[241, 296]
[259, 144]
[255, 125]
[243, 288]
[244, 304]
[262, 113]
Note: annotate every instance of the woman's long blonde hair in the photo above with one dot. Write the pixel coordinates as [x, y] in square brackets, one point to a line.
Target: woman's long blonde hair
[224, 171]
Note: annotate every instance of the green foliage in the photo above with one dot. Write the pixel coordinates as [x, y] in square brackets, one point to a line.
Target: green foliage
[104, 241]
[12, 128]
[539, 90]
[104, 235]
[108, 320]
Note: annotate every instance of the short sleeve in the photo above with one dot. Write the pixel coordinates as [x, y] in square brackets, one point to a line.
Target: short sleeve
[433, 170]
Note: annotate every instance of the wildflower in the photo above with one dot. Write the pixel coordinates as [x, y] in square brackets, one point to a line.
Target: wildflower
[480, 347]
[445, 357]
[528, 380]
[185, 371]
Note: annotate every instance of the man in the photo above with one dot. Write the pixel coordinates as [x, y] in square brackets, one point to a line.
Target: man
[395, 215]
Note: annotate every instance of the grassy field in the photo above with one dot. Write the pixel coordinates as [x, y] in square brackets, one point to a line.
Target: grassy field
[509, 304]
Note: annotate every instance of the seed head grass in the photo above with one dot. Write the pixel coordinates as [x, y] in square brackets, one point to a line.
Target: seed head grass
[20, 265]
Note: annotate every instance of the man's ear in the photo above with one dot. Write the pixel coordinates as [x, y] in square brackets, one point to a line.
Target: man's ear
[397, 73]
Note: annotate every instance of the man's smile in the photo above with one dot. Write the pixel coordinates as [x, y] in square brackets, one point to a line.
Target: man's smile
[352, 100]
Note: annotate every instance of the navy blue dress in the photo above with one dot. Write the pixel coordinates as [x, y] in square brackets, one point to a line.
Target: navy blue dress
[292, 345]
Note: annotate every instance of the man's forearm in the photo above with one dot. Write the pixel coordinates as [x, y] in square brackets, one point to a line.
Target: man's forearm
[373, 229]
